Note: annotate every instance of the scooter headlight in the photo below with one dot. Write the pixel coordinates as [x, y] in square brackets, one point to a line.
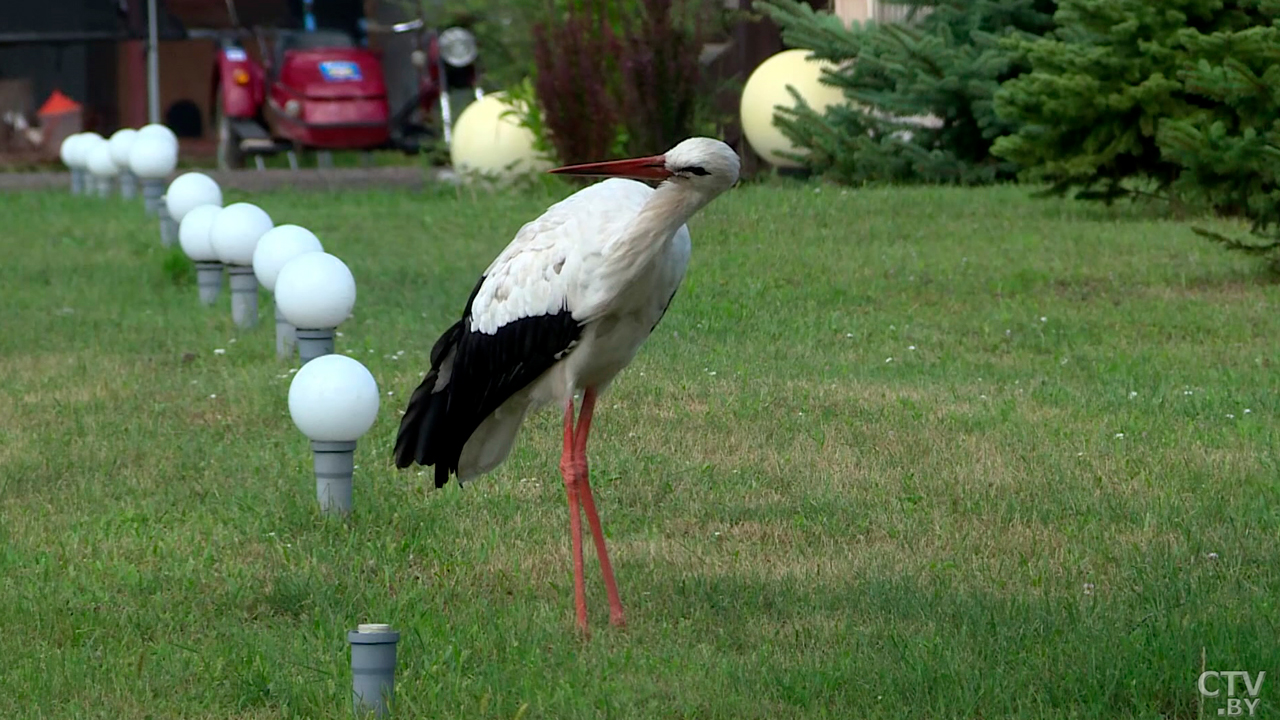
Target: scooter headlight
[458, 47]
[292, 108]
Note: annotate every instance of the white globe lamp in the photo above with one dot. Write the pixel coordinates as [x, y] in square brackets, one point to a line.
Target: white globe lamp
[159, 132]
[234, 236]
[152, 158]
[315, 292]
[334, 401]
[193, 236]
[101, 167]
[71, 156]
[487, 143]
[121, 142]
[766, 89]
[100, 162]
[190, 190]
[88, 141]
[277, 247]
[62, 149]
[80, 151]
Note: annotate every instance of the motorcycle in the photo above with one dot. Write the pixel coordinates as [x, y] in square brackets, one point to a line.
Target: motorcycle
[447, 63]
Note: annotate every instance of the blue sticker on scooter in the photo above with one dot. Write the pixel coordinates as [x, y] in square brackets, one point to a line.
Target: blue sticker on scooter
[340, 70]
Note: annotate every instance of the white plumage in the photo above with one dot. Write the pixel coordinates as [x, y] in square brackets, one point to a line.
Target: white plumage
[563, 309]
[553, 260]
[562, 261]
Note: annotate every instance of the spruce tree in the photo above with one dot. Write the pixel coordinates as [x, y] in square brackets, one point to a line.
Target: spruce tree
[1231, 153]
[921, 93]
[1101, 86]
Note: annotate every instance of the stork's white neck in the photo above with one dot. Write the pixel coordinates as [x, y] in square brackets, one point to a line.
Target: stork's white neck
[671, 206]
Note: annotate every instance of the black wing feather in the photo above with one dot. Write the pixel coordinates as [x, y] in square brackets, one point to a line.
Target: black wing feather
[486, 371]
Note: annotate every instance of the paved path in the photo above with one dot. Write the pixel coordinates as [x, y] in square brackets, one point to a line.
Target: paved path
[255, 180]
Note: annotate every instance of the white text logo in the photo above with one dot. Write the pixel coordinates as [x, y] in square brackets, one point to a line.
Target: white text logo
[1212, 684]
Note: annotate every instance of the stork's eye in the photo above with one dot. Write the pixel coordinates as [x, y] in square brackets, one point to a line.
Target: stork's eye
[694, 170]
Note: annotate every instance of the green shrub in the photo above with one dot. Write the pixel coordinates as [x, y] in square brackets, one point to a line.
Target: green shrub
[577, 82]
[613, 78]
[1090, 111]
[946, 63]
[1231, 153]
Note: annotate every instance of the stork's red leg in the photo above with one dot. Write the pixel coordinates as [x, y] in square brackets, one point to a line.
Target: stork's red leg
[589, 505]
[568, 470]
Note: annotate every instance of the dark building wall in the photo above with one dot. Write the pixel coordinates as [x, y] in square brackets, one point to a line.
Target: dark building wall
[61, 17]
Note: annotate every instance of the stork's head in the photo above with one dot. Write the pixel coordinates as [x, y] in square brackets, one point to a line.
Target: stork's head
[703, 165]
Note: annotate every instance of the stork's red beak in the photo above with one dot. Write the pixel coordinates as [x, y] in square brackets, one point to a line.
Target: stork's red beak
[653, 167]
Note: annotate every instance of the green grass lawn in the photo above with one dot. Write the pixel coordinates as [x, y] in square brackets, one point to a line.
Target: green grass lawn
[892, 453]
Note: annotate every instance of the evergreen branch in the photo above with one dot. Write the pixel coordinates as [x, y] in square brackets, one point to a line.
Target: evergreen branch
[1234, 244]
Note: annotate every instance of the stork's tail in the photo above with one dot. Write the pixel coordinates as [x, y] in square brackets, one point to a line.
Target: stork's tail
[425, 435]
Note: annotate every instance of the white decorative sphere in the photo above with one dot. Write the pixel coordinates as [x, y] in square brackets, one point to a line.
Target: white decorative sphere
[236, 230]
[68, 145]
[152, 157]
[334, 398]
[159, 132]
[280, 245]
[100, 163]
[486, 143]
[190, 190]
[193, 233]
[766, 89]
[315, 291]
[80, 151]
[121, 143]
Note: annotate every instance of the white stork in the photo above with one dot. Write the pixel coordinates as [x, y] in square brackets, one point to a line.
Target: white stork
[562, 310]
